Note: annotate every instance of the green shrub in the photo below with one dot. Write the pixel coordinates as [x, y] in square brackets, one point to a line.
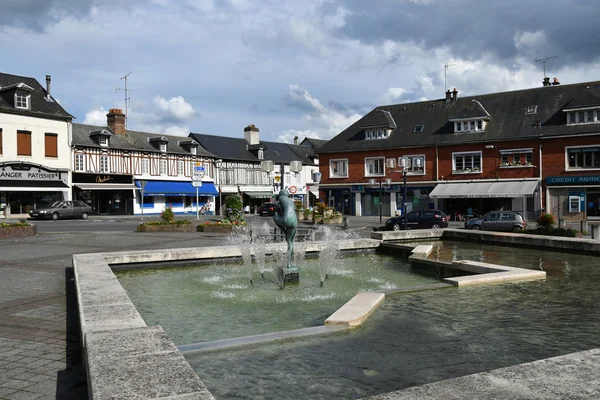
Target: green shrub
[234, 212]
[545, 221]
[177, 222]
[168, 216]
[562, 232]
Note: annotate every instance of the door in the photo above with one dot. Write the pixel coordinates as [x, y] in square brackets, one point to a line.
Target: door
[347, 206]
[491, 222]
[412, 220]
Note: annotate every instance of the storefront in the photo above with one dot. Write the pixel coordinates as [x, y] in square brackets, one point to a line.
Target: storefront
[455, 198]
[107, 194]
[24, 186]
[179, 195]
[573, 198]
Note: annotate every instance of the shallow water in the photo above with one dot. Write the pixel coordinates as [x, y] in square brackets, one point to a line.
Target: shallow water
[211, 302]
[423, 337]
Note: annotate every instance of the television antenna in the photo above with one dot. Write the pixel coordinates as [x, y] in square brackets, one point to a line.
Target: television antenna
[445, 73]
[543, 61]
[127, 97]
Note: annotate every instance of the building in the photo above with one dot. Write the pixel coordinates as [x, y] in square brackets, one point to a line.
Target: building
[111, 165]
[240, 172]
[35, 156]
[524, 150]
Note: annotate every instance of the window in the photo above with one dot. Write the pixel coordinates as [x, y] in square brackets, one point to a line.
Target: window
[51, 144]
[528, 158]
[180, 168]
[162, 167]
[194, 150]
[468, 126]
[0, 141]
[126, 164]
[379, 133]
[418, 128]
[163, 147]
[466, 162]
[79, 162]
[508, 217]
[417, 165]
[261, 154]
[103, 141]
[504, 158]
[583, 157]
[531, 110]
[145, 166]
[338, 168]
[479, 125]
[583, 117]
[104, 164]
[22, 101]
[516, 158]
[375, 166]
[574, 204]
[458, 127]
[23, 143]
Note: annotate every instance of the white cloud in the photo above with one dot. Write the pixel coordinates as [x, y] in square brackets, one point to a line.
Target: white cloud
[527, 40]
[95, 117]
[176, 107]
[300, 96]
[394, 94]
[177, 130]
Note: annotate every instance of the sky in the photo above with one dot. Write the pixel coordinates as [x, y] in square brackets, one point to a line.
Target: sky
[306, 68]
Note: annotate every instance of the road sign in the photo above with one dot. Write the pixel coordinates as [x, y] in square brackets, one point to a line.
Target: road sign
[196, 183]
[198, 168]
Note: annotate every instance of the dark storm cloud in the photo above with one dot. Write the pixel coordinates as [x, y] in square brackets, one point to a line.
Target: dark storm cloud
[36, 15]
[471, 28]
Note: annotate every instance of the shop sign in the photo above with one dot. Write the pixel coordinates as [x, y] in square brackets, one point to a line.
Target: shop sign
[101, 178]
[27, 172]
[572, 180]
[357, 189]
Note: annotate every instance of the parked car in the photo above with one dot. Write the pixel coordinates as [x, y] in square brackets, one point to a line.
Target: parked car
[500, 221]
[268, 209]
[425, 219]
[62, 209]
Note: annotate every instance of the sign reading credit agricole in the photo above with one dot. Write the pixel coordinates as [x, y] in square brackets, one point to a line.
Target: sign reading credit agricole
[26, 172]
[573, 180]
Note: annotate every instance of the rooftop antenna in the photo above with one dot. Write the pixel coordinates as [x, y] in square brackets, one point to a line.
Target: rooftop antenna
[543, 61]
[445, 73]
[127, 97]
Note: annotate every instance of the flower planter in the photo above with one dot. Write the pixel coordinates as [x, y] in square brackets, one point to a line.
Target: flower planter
[217, 228]
[17, 231]
[166, 228]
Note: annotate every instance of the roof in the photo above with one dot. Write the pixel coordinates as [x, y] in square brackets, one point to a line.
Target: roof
[314, 143]
[230, 148]
[40, 106]
[133, 140]
[507, 119]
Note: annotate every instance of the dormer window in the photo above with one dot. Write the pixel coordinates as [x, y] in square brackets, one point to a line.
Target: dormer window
[101, 137]
[160, 142]
[22, 100]
[261, 154]
[583, 116]
[531, 110]
[193, 150]
[103, 141]
[377, 133]
[163, 147]
[469, 124]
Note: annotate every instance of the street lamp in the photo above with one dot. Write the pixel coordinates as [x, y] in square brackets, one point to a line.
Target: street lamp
[404, 164]
[218, 165]
[268, 166]
[388, 182]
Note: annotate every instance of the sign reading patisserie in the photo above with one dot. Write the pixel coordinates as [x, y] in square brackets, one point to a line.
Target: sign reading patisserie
[28, 172]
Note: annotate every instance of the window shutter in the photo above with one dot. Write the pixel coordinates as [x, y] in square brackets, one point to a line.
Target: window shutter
[51, 145]
[0, 141]
[23, 143]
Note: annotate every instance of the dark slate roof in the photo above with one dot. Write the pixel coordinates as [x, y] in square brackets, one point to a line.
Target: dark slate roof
[229, 148]
[314, 143]
[507, 111]
[133, 140]
[40, 107]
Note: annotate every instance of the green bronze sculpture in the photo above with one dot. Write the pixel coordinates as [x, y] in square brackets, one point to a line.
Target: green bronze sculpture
[287, 222]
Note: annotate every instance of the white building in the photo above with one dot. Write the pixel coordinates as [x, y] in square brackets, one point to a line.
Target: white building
[35, 156]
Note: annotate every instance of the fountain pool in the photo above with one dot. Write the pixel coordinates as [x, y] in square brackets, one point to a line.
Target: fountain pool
[211, 302]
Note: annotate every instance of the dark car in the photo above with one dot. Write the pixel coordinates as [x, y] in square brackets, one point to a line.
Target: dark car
[500, 221]
[425, 219]
[268, 209]
[62, 209]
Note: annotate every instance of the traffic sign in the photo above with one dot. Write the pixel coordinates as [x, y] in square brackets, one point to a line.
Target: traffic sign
[196, 183]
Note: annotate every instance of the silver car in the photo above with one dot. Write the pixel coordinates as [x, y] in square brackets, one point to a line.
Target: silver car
[499, 221]
[62, 209]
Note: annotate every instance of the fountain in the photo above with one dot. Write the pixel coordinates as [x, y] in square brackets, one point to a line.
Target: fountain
[288, 223]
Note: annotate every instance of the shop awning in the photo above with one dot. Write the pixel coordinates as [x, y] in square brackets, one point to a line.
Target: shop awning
[259, 195]
[510, 189]
[171, 188]
[105, 186]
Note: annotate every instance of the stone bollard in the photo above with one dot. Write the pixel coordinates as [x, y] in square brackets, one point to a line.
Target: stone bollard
[595, 228]
[345, 222]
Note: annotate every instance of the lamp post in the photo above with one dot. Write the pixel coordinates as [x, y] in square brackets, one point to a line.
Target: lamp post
[268, 166]
[388, 181]
[405, 164]
[218, 165]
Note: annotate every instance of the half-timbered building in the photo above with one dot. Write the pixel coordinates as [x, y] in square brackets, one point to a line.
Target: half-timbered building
[120, 171]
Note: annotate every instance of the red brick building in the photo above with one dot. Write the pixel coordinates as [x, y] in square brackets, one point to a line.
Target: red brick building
[524, 150]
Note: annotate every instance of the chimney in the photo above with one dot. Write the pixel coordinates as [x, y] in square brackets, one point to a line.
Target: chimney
[48, 80]
[454, 94]
[555, 82]
[116, 121]
[295, 139]
[448, 96]
[546, 81]
[251, 134]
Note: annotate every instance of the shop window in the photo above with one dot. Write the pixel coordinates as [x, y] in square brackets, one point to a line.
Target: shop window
[148, 202]
[51, 144]
[574, 204]
[174, 201]
[593, 205]
[23, 143]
